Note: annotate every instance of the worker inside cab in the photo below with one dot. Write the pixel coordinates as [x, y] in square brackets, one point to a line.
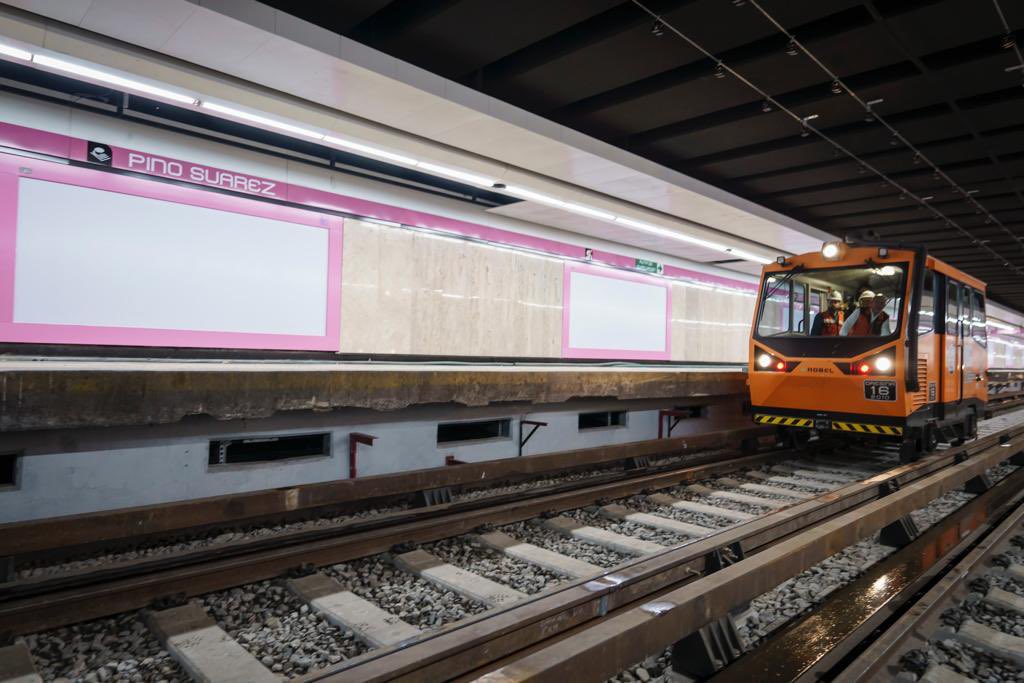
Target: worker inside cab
[828, 322]
[870, 318]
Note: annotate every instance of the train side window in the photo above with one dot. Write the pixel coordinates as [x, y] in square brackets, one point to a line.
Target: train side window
[926, 316]
[952, 307]
[979, 322]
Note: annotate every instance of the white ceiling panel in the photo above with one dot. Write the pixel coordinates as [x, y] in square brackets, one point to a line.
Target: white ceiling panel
[393, 100]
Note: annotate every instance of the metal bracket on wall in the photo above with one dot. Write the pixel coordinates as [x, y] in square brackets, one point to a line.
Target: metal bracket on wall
[533, 423]
[354, 439]
[672, 417]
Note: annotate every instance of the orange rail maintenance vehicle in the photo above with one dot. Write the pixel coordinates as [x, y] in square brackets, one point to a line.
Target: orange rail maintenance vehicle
[869, 342]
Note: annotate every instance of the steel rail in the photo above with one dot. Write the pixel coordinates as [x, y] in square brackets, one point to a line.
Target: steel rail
[812, 647]
[473, 644]
[887, 646]
[22, 539]
[628, 636]
[35, 605]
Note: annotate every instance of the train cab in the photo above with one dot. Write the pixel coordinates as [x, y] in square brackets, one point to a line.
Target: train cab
[869, 342]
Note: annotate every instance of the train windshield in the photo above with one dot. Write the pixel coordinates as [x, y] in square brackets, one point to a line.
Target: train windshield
[858, 301]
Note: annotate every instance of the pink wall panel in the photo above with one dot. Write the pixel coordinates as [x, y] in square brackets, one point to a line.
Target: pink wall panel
[11, 168]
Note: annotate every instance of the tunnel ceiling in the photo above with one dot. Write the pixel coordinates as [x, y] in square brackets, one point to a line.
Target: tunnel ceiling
[598, 66]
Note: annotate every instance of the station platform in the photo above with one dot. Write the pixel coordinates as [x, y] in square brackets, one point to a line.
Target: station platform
[59, 393]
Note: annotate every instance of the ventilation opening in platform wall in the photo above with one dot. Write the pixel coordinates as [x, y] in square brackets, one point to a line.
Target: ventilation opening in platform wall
[691, 411]
[8, 469]
[606, 418]
[453, 432]
[268, 448]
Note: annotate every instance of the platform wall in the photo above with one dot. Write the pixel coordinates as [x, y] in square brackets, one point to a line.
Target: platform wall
[461, 282]
[115, 468]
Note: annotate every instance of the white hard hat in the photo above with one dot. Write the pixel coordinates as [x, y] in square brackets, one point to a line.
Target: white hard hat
[866, 294]
[835, 296]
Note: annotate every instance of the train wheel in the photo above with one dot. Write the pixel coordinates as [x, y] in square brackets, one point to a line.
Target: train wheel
[929, 438]
[909, 451]
[799, 438]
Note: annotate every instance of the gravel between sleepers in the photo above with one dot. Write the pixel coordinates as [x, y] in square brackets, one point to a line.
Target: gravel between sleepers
[532, 532]
[280, 629]
[120, 648]
[409, 597]
[467, 554]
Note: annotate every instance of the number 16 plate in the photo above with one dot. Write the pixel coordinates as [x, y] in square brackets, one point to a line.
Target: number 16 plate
[880, 389]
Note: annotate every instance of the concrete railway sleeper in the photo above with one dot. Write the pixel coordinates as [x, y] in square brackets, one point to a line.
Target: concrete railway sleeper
[361, 620]
[344, 616]
[967, 626]
[468, 649]
[647, 626]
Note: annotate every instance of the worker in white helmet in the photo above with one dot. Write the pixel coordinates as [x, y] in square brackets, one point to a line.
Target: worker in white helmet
[828, 322]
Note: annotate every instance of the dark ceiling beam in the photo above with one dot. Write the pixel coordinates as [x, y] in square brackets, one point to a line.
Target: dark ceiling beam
[808, 95]
[911, 116]
[825, 28]
[397, 17]
[936, 62]
[909, 175]
[595, 29]
[926, 147]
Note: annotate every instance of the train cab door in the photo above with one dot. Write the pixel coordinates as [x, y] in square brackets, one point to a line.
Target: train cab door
[952, 346]
[975, 344]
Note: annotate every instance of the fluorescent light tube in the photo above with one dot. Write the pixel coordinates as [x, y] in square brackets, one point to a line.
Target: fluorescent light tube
[532, 196]
[15, 52]
[455, 174]
[750, 257]
[113, 79]
[261, 120]
[587, 211]
[367, 150]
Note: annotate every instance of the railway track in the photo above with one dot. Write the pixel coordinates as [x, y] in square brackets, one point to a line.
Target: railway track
[969, 624]
[467, 596]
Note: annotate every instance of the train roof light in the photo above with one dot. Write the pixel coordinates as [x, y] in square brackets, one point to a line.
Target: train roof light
[830, 250]
[883, 252]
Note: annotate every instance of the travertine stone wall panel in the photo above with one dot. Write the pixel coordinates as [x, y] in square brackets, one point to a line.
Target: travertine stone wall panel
[410, 293]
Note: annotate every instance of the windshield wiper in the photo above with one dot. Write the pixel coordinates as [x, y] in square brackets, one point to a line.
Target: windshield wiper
[784, 279]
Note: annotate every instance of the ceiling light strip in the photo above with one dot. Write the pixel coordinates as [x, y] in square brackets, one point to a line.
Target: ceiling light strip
[362, 149]
[92, 74]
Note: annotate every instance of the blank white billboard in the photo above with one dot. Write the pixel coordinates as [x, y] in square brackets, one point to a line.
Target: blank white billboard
[617, 314]
[97, 258]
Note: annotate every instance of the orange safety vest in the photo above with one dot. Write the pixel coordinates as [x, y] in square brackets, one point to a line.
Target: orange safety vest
[831, 324]
[862, 325]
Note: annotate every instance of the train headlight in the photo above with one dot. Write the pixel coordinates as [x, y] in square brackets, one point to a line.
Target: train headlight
[882, 364]
[766, 361]
[830, 250]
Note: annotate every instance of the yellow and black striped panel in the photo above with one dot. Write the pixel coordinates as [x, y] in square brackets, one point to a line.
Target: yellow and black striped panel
[783, 421]
[861, 428]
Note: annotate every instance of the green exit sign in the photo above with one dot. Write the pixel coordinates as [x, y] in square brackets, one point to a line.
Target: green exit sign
[649, 266]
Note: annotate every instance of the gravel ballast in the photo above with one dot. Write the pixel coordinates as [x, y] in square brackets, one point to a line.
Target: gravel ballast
[119, 648]
[412, 599]
[279, 629]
